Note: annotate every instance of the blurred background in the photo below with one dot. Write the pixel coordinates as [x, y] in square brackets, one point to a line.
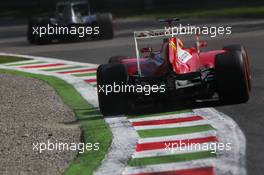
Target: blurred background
[149, 8]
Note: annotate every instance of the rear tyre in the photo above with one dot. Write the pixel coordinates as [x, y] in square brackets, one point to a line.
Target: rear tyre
[242, 49]
[113, 103]
[116, 59]
[106, 27]
[232, 77]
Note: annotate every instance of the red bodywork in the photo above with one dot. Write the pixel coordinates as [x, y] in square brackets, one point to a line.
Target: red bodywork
[197, 61]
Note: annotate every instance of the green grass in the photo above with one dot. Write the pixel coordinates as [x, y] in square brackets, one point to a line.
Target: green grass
[24, 64]
[170, 158]
[10, 59]
[85, 74]
[173, 131]
[94, 129]
[64, 68]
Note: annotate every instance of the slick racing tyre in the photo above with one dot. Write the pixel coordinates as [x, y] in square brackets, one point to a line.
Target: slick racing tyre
[116, 59]
[106, 27]
[110, 102]
[233, 76]
[237, 47]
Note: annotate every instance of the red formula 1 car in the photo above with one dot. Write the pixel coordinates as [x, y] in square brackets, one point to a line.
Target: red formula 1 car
[173, 74]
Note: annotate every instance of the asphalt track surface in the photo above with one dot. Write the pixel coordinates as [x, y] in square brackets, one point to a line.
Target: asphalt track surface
[248, 116]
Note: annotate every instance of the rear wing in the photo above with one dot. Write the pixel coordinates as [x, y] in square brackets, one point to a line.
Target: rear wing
[151, 34]
[167, 32]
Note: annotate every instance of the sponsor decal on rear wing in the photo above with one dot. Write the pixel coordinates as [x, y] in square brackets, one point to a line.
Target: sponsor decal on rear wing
[147, 34]
[157, 33]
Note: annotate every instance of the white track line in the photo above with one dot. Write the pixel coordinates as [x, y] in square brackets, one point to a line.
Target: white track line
[171, 166]
[37, 64]
[174, 125]
[52, 60]
[53, 71]
[166, 152]
[20, 62]
[229, 162]
[93, 83]
[83, 68]
[178, 137]
[87, 77]
[162, 117]
[80, 73]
